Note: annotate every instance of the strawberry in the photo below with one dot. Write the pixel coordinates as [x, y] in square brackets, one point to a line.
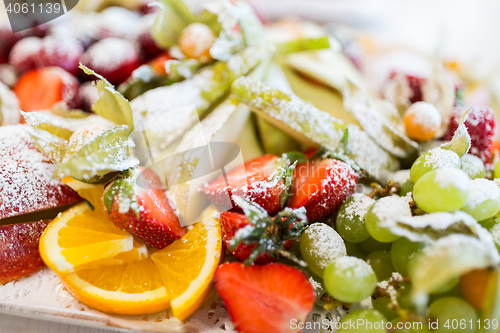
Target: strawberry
[266, 298]
[231, 222]
[42, 88]
[145, 210]
[321, 185]
[113, 58]
[19, 254]
[252, 181]
[413, 82]
[480, 124]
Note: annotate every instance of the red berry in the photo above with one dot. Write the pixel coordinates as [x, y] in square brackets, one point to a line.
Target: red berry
[265, 298]
[145, 38]
[113, 58]
[480, 124]
[63, 52]
[89, 95]
[231, 222]
[249, 181]
[413, 83]
[157, 224]
[146, 7]
[117, 22]
[25, 55]
[19, 254]
[41, 88]
[321, 186]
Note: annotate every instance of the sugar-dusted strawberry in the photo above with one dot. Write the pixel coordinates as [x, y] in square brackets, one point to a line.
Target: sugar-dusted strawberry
[480, 124]
[266, 298]
[25, 55]
[41, 88]
[113, 58]
[137, 204]
[231, 222]
[19, 254]
[64, 52]
[321, 185]
[260, 180]
[26, 176]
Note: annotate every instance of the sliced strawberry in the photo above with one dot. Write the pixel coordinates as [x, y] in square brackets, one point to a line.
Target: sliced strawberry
[480, 124]
[231, 222]
[149, 216]
[26, 176]
[321, 185]
[265, 298]
[251, 182]
[19, 254]
[41, 88]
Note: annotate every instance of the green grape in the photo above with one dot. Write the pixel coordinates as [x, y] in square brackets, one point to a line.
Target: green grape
[455, 312]
[384, 209]
[497, 170]
[409, 326]
[354, 250]
[320, 244]
[494, 228]
[351, 218]
[473, 166]
[402, 250]
[371, 245]
[381, 264]
[442, 190]
[446, 287]
[433, 159]
[349, 279]
[381, 304]
[365, 321]
[484, 199]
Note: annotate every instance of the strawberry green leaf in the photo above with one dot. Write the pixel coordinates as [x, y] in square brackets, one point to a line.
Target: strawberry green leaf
[123, 190]
[460, 143]
[103, 155]
[111, 104]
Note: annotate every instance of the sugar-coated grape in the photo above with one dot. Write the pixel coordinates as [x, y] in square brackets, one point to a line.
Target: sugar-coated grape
[349, 279]
[351, 218]
[381, 264]
[442, 190]
[402, 250]
[384, 209]
[433, 159]
[371, 245]
[366, 321]
[455, 311]
[473, 166]
[483, 201]
[320, 244]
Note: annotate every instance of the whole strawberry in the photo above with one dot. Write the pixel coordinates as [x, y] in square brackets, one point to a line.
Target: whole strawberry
[145, 210]
[480, 124]
[321, 185]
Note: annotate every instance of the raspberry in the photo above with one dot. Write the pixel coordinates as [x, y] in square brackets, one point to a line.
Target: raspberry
[480, 124]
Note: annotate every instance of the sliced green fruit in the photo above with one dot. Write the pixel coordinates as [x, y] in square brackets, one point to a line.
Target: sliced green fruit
[314, 127]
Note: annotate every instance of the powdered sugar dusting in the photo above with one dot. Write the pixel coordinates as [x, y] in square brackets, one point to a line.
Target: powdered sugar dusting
[326, 244]
[482, 190]
[353, 267]
[426, 115]
[452, 177]
[26, 183]
[359, 206]
[109, 54]
[388, 208]
[441, 158]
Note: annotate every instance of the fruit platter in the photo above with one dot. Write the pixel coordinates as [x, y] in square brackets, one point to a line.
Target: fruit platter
[175, 168]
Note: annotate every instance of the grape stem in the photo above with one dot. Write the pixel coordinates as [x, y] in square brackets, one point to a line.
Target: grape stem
[379, 192]
[415, 210]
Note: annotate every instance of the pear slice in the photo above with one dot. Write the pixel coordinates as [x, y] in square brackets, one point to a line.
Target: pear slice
[313, 127]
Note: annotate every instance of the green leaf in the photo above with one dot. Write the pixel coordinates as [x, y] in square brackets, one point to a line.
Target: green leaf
[460, 143]
[447, 259]
[111, 104]
[123, 190]
[49, 144]
[103, 155]
[51, 125]
[305, 44]
[253, 211]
